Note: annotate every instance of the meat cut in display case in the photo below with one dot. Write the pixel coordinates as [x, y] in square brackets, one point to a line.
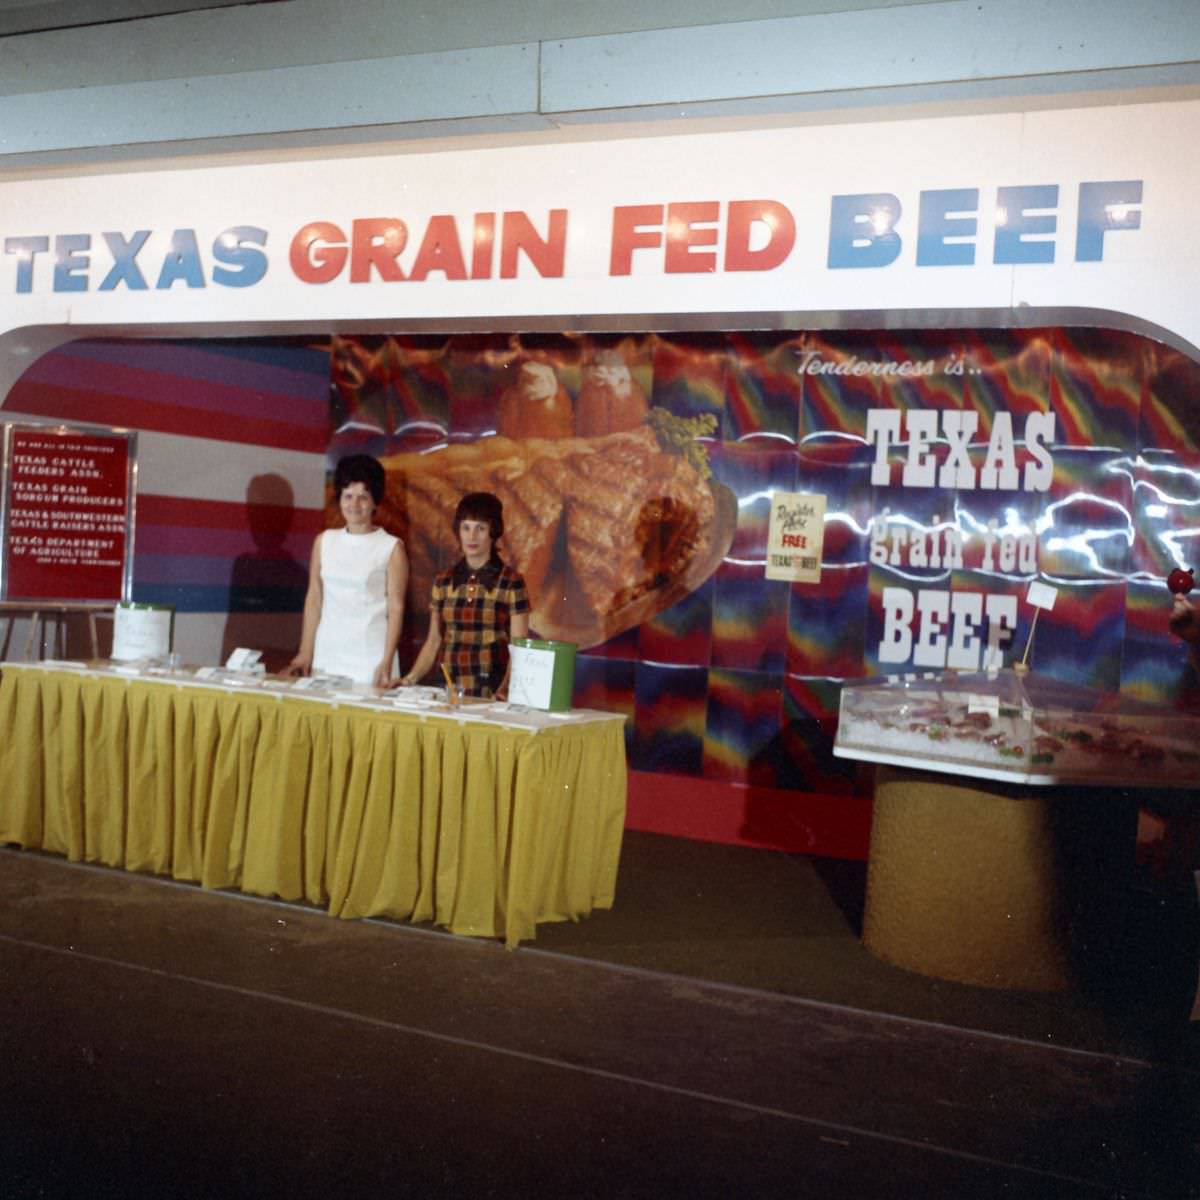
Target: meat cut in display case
[1017, 727]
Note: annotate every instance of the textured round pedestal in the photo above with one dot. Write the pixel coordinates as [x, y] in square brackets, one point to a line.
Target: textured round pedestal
[996, 885]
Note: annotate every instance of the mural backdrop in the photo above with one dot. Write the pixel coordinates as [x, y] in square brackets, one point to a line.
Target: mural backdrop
[638, 475]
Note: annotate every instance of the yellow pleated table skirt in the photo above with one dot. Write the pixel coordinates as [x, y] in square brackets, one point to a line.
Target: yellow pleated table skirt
[993, 884]
[484, 829]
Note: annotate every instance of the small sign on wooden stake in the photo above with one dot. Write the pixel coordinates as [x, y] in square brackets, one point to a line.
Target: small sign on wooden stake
[1041, 596]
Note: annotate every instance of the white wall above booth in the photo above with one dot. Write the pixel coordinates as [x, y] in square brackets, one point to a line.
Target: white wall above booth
[1012, 213]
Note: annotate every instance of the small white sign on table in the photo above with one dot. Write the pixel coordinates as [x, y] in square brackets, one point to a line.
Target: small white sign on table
[141, 631]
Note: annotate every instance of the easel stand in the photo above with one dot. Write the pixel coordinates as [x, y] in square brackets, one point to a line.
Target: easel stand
[40, 613]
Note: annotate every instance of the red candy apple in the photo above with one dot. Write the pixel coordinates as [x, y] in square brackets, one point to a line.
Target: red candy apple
[1180, 582]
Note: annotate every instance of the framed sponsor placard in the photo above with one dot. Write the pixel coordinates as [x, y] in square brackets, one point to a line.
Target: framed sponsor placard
[67, 495]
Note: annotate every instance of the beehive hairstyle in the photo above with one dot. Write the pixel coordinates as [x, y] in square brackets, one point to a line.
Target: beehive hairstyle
[360, 468]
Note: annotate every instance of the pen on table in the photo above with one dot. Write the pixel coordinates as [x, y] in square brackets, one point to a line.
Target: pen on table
[449, 684]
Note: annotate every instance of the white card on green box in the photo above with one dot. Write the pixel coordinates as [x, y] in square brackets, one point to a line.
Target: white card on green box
[532, 676]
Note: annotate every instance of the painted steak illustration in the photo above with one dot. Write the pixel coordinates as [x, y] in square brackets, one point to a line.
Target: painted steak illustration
[608, 531]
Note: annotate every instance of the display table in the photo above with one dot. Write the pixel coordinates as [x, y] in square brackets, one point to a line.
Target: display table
[1005, 821]
[483, 821]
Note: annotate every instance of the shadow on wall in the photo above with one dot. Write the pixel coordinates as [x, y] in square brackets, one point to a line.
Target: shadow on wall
[267, 584]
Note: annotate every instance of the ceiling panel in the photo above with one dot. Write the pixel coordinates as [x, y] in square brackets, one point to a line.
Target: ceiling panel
[37, 16]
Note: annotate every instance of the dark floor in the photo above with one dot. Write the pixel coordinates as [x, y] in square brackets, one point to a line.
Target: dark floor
[720, 1033]
[790, 923]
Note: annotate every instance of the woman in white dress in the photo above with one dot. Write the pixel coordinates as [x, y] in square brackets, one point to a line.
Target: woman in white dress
[356, 581]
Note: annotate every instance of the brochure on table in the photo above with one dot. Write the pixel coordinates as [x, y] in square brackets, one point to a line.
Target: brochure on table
[425, 703]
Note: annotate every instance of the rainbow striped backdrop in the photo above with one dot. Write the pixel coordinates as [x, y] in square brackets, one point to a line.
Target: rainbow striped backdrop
[231, 462]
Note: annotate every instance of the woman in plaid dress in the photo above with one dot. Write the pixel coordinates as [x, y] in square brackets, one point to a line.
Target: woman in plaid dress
[477, 607]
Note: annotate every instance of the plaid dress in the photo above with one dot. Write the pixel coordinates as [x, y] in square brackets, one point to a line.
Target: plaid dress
[475, 608]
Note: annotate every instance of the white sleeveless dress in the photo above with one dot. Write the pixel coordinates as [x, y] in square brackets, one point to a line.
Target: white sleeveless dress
[353, 626]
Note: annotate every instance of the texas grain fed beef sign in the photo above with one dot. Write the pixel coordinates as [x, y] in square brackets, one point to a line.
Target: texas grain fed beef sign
[1088, 209]
[66, 514]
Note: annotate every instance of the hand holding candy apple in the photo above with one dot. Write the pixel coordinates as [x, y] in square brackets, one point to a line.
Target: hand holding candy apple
[1184, 621]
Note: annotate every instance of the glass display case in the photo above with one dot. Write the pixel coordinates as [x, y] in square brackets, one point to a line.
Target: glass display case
[1022, 728]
